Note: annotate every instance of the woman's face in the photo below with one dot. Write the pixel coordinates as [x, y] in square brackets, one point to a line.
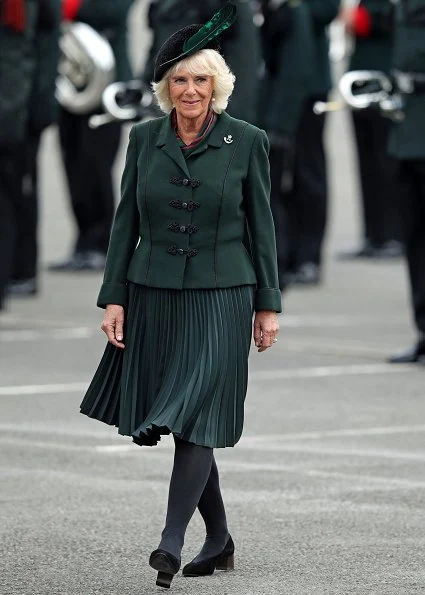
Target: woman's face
[191, 94]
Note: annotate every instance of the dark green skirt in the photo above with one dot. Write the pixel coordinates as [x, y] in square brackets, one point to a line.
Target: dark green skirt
[184, 368]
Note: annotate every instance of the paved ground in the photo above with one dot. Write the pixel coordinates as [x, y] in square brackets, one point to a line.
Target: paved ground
[325, 492]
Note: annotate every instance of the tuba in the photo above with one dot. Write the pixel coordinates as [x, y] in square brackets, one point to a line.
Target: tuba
[86, 68]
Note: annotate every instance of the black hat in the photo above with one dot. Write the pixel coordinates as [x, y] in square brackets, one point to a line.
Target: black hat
[189, 40]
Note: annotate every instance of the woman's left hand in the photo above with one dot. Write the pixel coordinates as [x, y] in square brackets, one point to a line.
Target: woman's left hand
[266, 327]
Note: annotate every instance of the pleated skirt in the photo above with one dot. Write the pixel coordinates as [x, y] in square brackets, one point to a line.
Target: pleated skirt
[184, 369]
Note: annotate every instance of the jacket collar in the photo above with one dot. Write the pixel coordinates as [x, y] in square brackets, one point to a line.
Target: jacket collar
[168, 143]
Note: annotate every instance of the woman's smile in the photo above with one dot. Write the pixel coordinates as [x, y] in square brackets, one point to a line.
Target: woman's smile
[191, 94]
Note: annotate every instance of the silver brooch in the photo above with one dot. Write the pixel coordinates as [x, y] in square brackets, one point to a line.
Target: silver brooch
[228, 139]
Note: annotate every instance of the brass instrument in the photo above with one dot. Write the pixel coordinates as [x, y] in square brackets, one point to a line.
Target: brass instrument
[86, 68]
[363, 89]
[125, 102]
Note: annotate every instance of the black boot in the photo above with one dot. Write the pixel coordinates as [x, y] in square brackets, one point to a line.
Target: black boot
[223, 561]
[410, 356]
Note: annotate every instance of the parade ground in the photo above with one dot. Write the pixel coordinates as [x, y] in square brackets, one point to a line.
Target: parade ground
[325, 492]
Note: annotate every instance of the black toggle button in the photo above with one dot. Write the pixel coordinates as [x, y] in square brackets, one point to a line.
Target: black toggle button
[190, 206]
[182, 228]
[190, 253]
[193, 182]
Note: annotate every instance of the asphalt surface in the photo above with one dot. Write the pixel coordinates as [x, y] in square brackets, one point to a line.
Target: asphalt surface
[325, 492]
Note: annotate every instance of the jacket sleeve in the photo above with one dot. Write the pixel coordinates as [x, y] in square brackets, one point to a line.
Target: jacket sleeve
[323, 11]
[124, 235]
[261, 226]
[101, 14]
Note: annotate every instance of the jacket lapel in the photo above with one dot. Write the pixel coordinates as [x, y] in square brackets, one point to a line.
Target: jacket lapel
[168, 143]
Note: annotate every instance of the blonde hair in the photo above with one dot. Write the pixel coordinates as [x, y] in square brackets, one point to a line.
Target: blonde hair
[208, 62]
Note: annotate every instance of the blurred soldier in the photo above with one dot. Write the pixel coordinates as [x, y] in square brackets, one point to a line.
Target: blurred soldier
[88, 154]
[308, 201]
[297, 75]
[371, 23]
[240, 44]
[17, 31]
[42, 111]
[407, 143]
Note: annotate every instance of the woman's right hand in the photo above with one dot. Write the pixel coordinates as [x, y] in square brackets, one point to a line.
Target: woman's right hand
[113, 325]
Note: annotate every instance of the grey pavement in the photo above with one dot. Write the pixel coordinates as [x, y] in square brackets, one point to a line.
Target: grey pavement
[325, 492]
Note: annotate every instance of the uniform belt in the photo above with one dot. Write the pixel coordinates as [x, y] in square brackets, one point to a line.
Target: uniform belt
[409, 83]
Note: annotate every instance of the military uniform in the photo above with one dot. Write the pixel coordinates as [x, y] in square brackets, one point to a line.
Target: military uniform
[380, 192]
[16, 75]
[42, 112]
[407, 143]
[89, 155]
[240, 45]
[297, 74]
[309, 196]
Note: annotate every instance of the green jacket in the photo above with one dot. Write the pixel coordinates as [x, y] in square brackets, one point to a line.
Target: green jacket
[407, 140]
[322, 12]
[110, 18]
[375, 51]
[17, 64]
[240, 45]
[182, 224]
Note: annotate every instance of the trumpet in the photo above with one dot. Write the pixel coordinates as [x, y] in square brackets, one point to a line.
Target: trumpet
[124, 102]
[363, 89]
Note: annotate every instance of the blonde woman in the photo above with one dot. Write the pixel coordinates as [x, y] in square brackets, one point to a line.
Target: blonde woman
[191, 259]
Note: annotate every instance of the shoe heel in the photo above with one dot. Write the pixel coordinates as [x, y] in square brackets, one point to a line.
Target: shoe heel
[226, 563]
[164, 579]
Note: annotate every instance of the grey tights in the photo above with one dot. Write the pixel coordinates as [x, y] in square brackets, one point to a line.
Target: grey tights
[194, 482]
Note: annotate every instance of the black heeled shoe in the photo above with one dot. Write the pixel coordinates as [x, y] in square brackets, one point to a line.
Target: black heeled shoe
[224, 561]
[410, 356]
[167, 566]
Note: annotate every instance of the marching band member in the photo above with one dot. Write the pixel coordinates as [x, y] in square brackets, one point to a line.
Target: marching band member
[371, 23]
[407, 143]
[18, 22]
[88, 155]
[42, 112]
[297, 74]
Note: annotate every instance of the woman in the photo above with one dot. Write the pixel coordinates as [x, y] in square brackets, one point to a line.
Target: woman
[180, 286]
